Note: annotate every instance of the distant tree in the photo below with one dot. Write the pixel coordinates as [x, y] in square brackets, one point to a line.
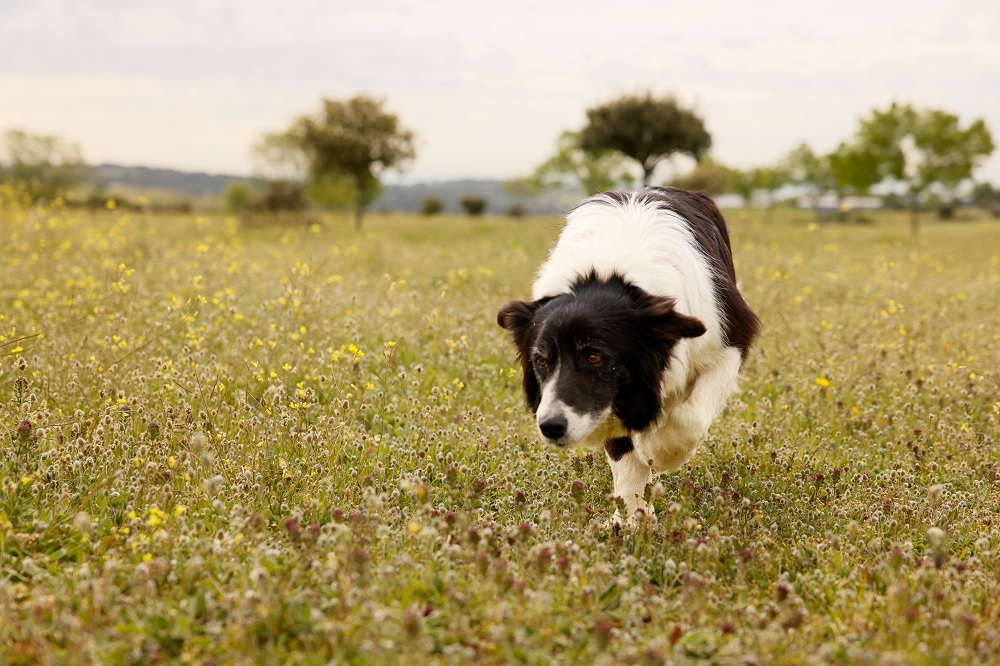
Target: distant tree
[707, 176]
[45, 166]
[985, 196]
[431, 206]
[473, 205]
[922, 149]
[854, 169]
[769, 180]
[279, 157]
[742, 183]
[811, 171]
[238, 197]
[592, 172]
[521, 189]
[280, 197]
[646, 129]
[356, 139]
[516, 210]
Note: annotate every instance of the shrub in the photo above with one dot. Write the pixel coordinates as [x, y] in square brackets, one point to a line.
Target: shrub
[431, 206]
[517, 210]
[473, 205]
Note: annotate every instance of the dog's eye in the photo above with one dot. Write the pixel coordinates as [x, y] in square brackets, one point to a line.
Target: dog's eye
[541, 361]
[594, 358]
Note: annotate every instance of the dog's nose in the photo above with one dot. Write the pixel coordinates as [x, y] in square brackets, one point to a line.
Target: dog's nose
[553, 427]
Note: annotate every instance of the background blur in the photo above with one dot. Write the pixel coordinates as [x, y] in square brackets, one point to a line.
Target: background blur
[192, 85]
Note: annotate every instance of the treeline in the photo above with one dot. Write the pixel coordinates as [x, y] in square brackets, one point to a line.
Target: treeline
[337, 158]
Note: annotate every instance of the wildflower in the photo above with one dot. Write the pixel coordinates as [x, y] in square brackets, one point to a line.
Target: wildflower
[822, 382]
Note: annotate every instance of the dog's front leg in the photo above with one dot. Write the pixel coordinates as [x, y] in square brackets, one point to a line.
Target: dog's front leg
[672, 443]
[630, 475]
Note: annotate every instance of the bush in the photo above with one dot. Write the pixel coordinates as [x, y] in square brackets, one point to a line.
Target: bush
[517, 210]
[473, 205]
[238, 197]
[431, 206]
[280, 196]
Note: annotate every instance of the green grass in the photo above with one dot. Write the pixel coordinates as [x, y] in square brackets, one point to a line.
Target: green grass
[309, 446]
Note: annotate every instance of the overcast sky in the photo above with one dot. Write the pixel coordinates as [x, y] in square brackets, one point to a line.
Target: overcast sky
[487, 87]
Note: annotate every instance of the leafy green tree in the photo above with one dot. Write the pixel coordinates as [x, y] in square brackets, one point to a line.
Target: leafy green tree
[238, 197]
[741, 183]
[922, 149]
[854, 169]
[811, 171]
[749, 183]
[985, 196]
[431, 205]
[280, 158]
[592, 172]
[707, 176]
[769, 180]
[473, 205]
[45, 166]
[356, 139]
[646, 129]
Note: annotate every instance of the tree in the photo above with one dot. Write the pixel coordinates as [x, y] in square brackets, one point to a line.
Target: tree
[431, 205]
[45, 166]
[521, 189]
[811, 171]
[356, 139]
[921, 149]
[769, 180]
[592, 172]
[742, 184]
[474, 205]
[854, 169]
[645, 129]
[707, 176]
[238, 196]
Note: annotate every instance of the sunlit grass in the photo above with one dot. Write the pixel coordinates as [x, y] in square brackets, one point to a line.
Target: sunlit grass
[225, 445]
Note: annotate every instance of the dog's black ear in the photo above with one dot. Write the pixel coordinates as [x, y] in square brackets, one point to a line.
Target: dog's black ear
[656, 329]
[684, 326]
[667, 322]
[517, 317]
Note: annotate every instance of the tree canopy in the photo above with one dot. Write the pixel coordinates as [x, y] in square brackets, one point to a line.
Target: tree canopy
[45, 166]
[920, 149]
[356, 139]
[646, 129]
[592, 172]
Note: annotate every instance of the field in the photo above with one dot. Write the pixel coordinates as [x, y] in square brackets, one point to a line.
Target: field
[225, 445]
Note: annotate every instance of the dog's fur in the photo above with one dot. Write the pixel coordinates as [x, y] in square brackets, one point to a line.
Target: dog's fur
[636, 332]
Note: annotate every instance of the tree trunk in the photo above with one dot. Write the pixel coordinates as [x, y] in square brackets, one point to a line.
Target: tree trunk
[359, 212]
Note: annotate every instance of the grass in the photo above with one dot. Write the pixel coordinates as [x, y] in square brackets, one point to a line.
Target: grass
[309, 446]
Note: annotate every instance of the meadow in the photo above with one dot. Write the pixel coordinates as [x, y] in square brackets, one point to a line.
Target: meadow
[308, 445]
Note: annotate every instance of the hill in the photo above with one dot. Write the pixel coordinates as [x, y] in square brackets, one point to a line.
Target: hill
[394, 198]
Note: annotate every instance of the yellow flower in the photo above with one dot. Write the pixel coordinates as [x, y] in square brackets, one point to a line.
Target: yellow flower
[823, 382]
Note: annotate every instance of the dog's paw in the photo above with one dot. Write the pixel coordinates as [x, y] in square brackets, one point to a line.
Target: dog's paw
[616, 523]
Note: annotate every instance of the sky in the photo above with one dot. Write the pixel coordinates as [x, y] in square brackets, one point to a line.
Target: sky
[486, 87]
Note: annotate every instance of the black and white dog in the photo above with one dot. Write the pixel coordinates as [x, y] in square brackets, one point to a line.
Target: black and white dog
[636, 332]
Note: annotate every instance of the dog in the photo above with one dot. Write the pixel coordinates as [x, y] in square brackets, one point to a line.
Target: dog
[636, 332]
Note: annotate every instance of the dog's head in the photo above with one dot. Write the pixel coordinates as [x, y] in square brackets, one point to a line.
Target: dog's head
[595, 352]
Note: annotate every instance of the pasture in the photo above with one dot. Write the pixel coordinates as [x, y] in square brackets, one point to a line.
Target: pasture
[225, 445]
